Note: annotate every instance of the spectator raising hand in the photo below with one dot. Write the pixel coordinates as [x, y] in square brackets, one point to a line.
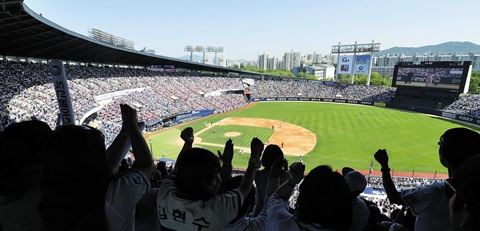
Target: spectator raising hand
[430, 203]
[381, 157]
[227, 155]
[187, 135]
[297, 171]
[256, 147]
[192, 192]
[278, 167]
[226, 158]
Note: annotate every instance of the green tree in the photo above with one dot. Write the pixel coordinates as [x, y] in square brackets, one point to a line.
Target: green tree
[474, 83]
[344, 78]
[252, 68]
[376, 79]
[304, 75]
[360, 79]
[388, 81]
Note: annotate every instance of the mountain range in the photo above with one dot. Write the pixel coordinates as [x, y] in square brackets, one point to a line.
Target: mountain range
[443, 48]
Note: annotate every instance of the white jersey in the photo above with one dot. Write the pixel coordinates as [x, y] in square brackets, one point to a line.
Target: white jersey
[431, 206]
[181, 214]
[121, 199]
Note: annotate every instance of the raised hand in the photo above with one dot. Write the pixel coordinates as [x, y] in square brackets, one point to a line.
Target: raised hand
[187, 135]
[382, 157]
[256, 147]
[297, 171]
[278, 167]
[227, 155]
[129, 118]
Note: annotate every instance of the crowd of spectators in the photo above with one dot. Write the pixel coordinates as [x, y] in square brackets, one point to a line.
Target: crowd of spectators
[467, 105]
[318, 89]
[27, 92]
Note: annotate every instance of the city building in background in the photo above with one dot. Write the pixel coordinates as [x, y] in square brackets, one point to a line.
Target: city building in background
[263, 61]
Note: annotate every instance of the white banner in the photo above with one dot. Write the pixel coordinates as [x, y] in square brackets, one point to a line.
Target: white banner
[362, 63]
[345, 64]
[60, 85]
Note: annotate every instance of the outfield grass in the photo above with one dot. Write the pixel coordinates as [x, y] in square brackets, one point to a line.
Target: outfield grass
[347, 135]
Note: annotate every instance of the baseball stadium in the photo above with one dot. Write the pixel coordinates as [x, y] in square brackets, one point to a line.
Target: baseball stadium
[313, 122]
[239, 105]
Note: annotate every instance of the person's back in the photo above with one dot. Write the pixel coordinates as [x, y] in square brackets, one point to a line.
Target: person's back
[357, 184]
[429, 203]
[271, 153]
[75, 180]
[463, 193]
[79, 189]
[324, 202]
[184, 203]
[189, 200]
[20, 175]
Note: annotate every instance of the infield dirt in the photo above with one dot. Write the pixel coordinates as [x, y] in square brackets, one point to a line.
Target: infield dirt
[296, 140]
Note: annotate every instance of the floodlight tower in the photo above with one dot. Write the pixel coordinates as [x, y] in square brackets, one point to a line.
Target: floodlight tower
[212, 49]
[216, 50]
[200, 49]
[189, 49]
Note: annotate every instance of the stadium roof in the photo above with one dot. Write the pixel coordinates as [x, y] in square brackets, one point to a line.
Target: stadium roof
[24, 33]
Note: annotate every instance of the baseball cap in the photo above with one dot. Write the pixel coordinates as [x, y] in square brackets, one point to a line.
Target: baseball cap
[356, 181]
[346, 170]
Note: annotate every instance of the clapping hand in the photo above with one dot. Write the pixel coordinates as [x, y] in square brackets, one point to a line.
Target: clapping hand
[297, 171]
[129, 117]
[256, 147]
[278, 167]
[227, 156]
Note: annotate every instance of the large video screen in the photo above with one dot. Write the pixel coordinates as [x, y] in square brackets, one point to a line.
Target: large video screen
[445, 77]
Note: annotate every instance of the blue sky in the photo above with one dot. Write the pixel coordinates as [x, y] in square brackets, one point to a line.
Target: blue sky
[250, 27]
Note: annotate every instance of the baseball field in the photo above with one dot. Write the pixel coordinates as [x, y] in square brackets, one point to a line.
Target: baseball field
[320, 133]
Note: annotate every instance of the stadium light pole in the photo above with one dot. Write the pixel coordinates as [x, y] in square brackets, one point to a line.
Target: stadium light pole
[218, 50]
[215, 50]
[189, 48]
[212, 49]
[201, 49]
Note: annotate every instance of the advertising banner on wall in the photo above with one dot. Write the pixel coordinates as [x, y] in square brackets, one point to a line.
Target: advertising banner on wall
[362, 63]
[345, 64]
